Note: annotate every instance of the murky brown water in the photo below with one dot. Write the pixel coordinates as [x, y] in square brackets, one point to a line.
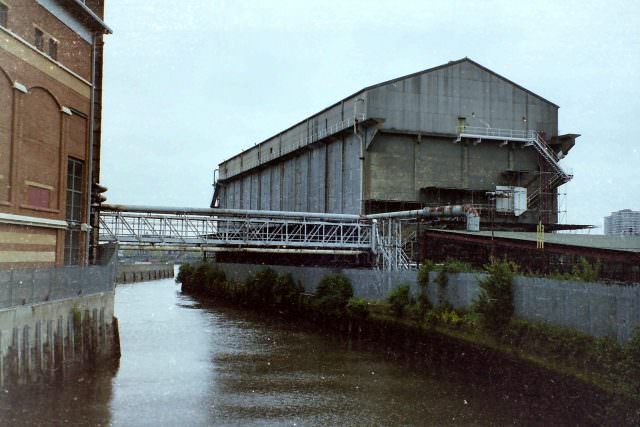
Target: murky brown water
[188, 365]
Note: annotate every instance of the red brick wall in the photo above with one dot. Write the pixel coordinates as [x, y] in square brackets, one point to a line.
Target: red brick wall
[40, 148]
[73, 51]
[6, 101]
[35, 134]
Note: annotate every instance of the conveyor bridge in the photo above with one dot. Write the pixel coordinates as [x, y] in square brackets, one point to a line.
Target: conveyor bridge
[255, 230]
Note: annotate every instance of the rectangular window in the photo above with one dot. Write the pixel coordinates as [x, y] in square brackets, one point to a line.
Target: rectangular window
[4, 15]
[74, 190]
[74, 211]
[37, 197]
[53, 49]
[39, 39]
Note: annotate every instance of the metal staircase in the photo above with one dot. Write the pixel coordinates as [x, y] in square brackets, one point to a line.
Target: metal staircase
[559, 176]
[530, 138]
[389, 247]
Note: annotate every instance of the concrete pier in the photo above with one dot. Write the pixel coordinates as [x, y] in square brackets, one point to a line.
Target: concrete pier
[129, 273]
[39, 340]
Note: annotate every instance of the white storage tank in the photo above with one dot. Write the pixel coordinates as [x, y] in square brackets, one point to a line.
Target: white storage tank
[511, 200]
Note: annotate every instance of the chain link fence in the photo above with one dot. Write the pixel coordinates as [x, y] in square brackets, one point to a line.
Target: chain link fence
[38, 285]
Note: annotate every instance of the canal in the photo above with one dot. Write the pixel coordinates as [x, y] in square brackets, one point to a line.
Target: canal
[188, 364]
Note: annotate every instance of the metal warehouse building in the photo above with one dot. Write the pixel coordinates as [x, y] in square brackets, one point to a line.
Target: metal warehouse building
[446, 135]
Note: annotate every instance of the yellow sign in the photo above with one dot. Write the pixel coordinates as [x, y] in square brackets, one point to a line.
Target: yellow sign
[540, 235]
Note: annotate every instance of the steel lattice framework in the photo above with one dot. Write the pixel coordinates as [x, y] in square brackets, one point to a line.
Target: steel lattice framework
[379, 234]
[201, 230]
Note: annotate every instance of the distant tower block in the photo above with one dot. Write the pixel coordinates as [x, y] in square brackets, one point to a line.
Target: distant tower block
[621, 223]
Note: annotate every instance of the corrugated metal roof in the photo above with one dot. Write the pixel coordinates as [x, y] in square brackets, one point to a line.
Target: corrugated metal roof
[618, 243]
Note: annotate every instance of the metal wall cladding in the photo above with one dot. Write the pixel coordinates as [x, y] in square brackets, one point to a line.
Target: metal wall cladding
[432, 102]
[325, 176]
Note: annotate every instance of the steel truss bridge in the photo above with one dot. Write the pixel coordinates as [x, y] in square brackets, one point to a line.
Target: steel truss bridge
[382, 235]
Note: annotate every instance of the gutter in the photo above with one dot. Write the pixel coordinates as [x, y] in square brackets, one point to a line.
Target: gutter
[86, 10]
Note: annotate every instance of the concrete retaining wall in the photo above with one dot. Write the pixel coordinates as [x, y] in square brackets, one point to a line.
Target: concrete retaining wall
[38, 340]
[128, 273]
[593, 308]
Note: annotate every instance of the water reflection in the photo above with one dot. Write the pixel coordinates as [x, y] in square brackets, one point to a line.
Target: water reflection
[77, 399]
[187, 363]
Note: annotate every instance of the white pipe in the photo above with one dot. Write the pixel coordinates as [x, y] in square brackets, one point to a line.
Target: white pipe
[473, 217]
[246, 249]
[226, 212]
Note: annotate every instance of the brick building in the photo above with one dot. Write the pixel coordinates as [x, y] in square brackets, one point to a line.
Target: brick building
[50, 113]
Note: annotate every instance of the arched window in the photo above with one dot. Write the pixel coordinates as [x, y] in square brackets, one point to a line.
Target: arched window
[40, 150]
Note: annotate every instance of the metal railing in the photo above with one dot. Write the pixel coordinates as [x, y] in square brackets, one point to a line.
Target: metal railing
[559, 175]
[530, 138]
[237, 230]
[379, 234]
[38, 285]
[497, 133]
[390, 254]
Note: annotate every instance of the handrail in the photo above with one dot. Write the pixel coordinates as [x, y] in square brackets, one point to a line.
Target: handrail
[532, 138]
[496, 132]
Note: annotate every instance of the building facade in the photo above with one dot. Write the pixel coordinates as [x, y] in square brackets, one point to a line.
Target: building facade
[622, 223]
[446, 135]
[50, 113]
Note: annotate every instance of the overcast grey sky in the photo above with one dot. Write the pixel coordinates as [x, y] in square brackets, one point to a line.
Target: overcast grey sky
[188, 84]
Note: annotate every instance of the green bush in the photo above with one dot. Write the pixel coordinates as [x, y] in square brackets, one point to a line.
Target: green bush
[198, 280]
[398, 299]
[495, 303]
[423, 273]
[184, 275]
[333, 294]
[358, 307]
[423, 282]
[585, 272]
[286, 292]
[632, 348]
[442, 280]
[452, 318]
[632, 352]
[454, 266]
[215, 280]
[415, 312]
[259, 287]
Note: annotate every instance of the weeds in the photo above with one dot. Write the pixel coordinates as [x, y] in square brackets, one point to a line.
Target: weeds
[358, 307]
[442, 280]
[333, 294]
[424, 305]
[398, 299]
[495, 303]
